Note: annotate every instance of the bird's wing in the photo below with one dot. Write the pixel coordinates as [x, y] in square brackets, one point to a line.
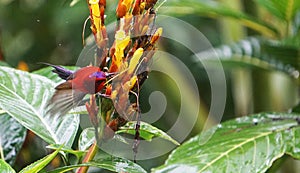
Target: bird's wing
[64, 99]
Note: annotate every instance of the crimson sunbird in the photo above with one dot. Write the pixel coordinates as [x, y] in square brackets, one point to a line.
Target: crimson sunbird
[87, 80]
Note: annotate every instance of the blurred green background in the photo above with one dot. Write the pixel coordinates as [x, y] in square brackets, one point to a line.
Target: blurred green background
[33, 31]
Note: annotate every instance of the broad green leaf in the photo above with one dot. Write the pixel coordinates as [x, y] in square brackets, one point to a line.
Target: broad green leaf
[286, 55]
[216, 10]
[2, 63]
[24, 96]
[79, 110]
[47, 72]
[86, 139]
[284, 10]
[109, 163]
[254, 53]
[12, 136]
[40, 164]
[66, 149]
[5, 167]
[247, 144]
[147, 131]
[74, 2]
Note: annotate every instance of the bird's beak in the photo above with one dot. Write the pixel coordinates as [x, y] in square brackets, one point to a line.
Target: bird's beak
[108, 75]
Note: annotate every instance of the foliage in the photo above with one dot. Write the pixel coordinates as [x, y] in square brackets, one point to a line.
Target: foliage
[40, 164]
[247, 144]
[24, 97]
[5, 167]
[108, 163]
[276, 49]
[256, 53]
[32, 118]
[12, 137]
[278, 45]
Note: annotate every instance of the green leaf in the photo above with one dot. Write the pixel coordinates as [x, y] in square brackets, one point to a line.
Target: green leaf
[284, 10]
[86, 139]
[2, 63]
[47, 72]
[247, 144]
[12, 136]
[24, 96]
[66, 149]
[5, 167]
[147, 131]
[216, 10]
[287, 55]
[293, 42]
[296, 26]
[296, 109]
[255, 53]
[40, 164]
[109, 163]
[79, 110]
[74, 2]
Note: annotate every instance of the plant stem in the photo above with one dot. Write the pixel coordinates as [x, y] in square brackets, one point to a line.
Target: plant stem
[88, 157]
[1, 151]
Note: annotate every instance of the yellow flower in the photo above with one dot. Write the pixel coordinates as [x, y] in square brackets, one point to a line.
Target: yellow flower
[121, 43]
[135, 60]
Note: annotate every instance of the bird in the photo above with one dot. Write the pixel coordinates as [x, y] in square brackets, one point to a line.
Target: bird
[69, 94]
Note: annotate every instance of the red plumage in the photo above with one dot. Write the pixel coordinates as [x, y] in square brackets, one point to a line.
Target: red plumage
[89, 80]
[69, 94]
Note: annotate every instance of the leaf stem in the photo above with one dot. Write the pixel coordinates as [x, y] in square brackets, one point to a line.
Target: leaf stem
[88, 157]
[1, 151]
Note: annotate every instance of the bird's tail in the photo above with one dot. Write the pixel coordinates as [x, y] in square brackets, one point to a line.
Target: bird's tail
[62, 72]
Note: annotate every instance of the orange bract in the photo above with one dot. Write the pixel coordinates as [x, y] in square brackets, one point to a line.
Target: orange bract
[130, 53]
